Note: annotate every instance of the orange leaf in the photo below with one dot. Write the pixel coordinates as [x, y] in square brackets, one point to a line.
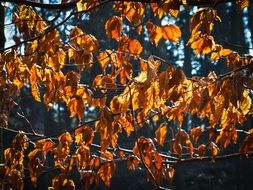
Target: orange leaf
[135, 47]
[107, 155]
[155, 33]
[171, 32]
[83, 156]
[247, 144]
[104, 59]
[204, 44]
[169, 173]
[133, 162]
[201, 150]
[225, 52]
[195, 133]
[106, 171]
[84, 134]
[34, 79]
[34, 153]
[76, 106]
[161, 133]
[158, 160]
[65, 138]
[134, 12]
[113, 27]
[242, 3]
[214, 149]
[182, 138]
[204, 100]
[45, 145]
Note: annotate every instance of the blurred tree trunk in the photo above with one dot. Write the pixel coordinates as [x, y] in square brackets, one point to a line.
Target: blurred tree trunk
[237, 29]
[250, 16]
[187, 50]
[238, 37]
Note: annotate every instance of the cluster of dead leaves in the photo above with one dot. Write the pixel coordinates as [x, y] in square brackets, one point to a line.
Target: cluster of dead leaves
[13, 168]
[225, 101]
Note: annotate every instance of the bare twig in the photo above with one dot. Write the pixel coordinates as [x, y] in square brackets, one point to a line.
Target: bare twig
[236, 45]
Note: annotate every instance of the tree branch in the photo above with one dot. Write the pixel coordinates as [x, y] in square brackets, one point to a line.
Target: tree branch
[189, 2]
[72, 4]
[61, 6]
[52, 27]
[217, 158]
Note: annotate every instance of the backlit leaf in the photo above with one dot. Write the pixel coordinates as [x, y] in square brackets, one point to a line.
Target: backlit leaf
[106, 171]
[155, 33]
[242, 3]
[65, 138]
[201, 150]
[135, 47]
[161, 133]
[195, 133]
[113, 27]
[214, 149]
[169, 173]
[34, 79]
[104, 59]
[171, 32]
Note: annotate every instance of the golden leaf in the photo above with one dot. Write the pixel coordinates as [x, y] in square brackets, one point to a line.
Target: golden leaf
[76, 106]
[142, 77]
[34, 79]
[106, 171]
[214, 149]
[83, 156]
[155, 33]
[126, 124]
[245, 104]
[161, 133]
[225, 136]
[104, 82]
[134, 12]
[81, 6]
[158, 11]
[65, 138]
[84, 134]
[169, 7]
[204, 44]
[225, 52]
[171, 32]
[242, 3]
[135, 47]
[104, 59]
